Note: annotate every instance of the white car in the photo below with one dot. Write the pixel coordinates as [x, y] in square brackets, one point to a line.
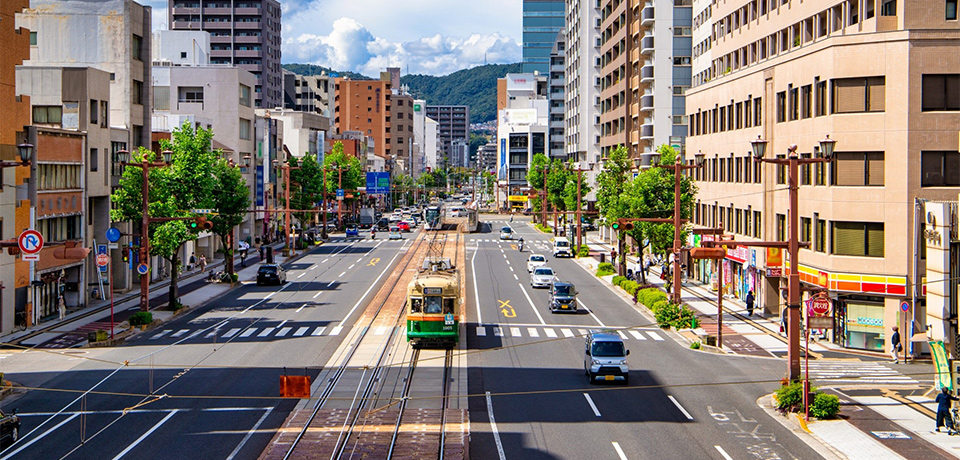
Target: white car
[542, 277]
[506, 233]
[395, 233]
[534, 261]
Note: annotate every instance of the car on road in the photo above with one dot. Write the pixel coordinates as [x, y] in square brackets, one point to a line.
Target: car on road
[534, 261]
[542, 277]
[9, 429]
[506, 233]
[395, 233]
[383, 224]
[271, 273]
[605, 357]
[563, 297]
[561, 247]
[352, 230]
[587, 225]
[404, 226]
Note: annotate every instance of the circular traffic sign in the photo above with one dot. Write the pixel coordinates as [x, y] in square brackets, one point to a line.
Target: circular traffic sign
[103, 260]
[143, 269]
[113, 234]
[905, 306]
[820, 306]
[30, 241]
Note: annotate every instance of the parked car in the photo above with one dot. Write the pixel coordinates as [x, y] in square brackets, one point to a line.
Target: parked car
[395, 233]
[404, 226]
[542, 277]
[534, 261]
[506, 233]
[9, 429]
[352, 230]
[271, 273]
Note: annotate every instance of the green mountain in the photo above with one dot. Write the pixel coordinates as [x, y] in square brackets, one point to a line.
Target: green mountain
[476, 88]
[310, 69]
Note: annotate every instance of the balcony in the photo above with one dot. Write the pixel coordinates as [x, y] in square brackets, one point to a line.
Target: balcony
[556, 138]
[556, 96]
[215, 39]
[557, 68]
[646, 131]
[646, 102]
[220, 11]
[246, 25]
[646, 45]
[647, 15]
[249, 53]
[187, 25]
[207, 25]
[221, 54]
[646, 73]
[242, 39]
[251, 11]
[184, 10]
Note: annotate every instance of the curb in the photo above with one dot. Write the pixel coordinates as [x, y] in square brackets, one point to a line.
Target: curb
[799, 428]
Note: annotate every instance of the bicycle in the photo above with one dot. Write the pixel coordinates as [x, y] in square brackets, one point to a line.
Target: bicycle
[20, 320]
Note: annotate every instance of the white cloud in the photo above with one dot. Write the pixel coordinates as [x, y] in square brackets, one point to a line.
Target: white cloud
[350, 46]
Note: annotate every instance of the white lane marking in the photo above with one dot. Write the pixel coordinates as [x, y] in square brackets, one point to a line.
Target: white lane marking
[515, 277]
[567, 333]
[616, 446]
[324, 261]
[590, 310]
[231, 333]
[180, 333]
[351, 266]
[592, 405]
[301, 331]
[550, 333]
[55, 427]
[533, 332]
[319, 330]
[301, 308]
[161, 334]
[380, 330]
[723, 452]
[266, 332]
[330, 284]
[364, 296]
[637, 335]
[358, 260]
[144, 435]
[312, 267]
[476, 294]
[248, 332]
[508, 262]
[677, 403]
[622, 335]
[653, 335]
[193, 335]
[317, 294]
[284, 331]
[270, 295]
[249, 434]
[341, 275]
[211, 333]
[583, 332]
[493, 428]
[481, 331]
[515, 331]
[534, 307]
[497, 331]
[336, 330]
[301, 275]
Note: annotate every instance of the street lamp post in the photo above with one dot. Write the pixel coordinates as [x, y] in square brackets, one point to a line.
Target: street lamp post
[145, 219]
[677, 244]
[793, 162]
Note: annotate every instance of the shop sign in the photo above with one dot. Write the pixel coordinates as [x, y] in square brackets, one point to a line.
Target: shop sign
[740, 254]
[823, 279]
[944, 378]
[820, 322]
[775, 272]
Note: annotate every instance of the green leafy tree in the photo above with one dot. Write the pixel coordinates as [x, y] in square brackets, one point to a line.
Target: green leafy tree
[343, 171]
[570, 191]
[308, 190]
[175, 189]
[651, 194]
[231, 201]
[536, 175]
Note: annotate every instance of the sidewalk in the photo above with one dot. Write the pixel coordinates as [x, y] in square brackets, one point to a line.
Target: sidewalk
[886, 410]
[194, 291]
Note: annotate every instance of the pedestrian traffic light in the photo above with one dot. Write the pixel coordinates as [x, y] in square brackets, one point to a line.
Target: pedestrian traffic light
[201, 223]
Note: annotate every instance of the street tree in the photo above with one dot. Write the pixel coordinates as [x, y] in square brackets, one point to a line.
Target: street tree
[306, 188]
[536, 175]
[343, 172]
[231, 200]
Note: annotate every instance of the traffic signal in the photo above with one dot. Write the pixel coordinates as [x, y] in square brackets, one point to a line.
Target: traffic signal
[201, 223]
[623, 224]
[616, 226]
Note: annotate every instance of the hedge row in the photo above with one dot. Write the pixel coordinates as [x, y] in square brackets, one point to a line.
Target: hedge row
[605, 269]
[789, 398]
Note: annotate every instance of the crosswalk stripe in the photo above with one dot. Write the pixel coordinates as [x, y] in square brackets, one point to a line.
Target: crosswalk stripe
[567, 332]
[196, 333]
[622, 335]
[319, 330]
[481, 331]
[498, 331]
[515, 331]
[284, 331]
[336, 330]
[211, 333]
[301, 331]
[266, 332]
[380, 330]
[637, 335]
[653, 335]
[583, 332]
[533, 332]
[180, 333]
[248, 332]
[231, 332]
[550, 333]
[161, 334]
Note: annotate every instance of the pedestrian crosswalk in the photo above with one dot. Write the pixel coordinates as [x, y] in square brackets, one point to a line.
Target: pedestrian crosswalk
[557, 332]
[255, 332]
[828, 372]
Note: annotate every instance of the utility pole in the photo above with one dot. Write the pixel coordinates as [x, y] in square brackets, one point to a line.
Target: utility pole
[579, 205]
[286, 197]
[677, 169]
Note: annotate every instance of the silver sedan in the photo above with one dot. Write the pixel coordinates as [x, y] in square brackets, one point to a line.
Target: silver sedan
[542, 277]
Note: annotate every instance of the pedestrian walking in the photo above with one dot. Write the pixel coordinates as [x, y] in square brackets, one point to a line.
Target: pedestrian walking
[895, 346]
[943, 406]
[193, 261]
[750, 301]
[203, 263]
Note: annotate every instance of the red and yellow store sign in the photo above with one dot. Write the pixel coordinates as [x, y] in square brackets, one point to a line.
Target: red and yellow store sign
[853, 282]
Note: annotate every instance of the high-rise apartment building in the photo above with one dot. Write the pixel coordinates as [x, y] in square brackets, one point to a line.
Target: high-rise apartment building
[542, 20]
[243, 33]
[556, 92]
[582, 92]
[454, 123]
[308, 93]
[522, 127]
[882, 79]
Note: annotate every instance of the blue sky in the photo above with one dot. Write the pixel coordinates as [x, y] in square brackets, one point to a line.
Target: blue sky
[434, 37]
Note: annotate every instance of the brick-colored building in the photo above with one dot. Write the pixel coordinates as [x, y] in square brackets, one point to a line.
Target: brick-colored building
[364, 105]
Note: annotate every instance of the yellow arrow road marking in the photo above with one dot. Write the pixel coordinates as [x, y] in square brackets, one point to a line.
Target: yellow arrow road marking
[373, 262]
[507, 309]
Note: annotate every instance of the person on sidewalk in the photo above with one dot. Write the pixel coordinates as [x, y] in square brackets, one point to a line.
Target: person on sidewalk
[193, 261]
[895, 345]
[750, 301]
[943, 406]
[203, 263]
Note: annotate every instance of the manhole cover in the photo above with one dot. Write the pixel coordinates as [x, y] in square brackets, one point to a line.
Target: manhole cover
[890, 434]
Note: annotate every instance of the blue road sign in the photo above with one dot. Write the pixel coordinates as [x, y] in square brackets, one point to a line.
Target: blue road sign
[113, 234]
[339, 193]
[143, 269]
[378, 183]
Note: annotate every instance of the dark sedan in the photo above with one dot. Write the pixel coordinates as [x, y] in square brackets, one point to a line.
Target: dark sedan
[271, 273]
[9, 429]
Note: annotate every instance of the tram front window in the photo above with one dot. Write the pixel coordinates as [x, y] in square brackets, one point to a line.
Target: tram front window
[416, 305]
[447, 306]
[432, 304]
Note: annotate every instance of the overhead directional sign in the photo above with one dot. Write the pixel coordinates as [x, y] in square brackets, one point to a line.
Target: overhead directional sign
[378, 183]
[30, 242]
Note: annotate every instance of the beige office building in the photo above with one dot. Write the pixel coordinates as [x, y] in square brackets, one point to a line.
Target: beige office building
[882, 78]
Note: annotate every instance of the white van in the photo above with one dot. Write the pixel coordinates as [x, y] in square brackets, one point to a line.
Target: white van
[561, 247]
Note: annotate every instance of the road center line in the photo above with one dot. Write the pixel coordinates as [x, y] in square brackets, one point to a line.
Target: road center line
[301, 308]
[249, 434]
[590, 310]
[341, 275]
[676, 403]
[317, 294]
[493, 428]
[592, 405]
[144, 435]
[39, 437]
[351, 266]
[301, 275]
[616, 446]
[723, 452]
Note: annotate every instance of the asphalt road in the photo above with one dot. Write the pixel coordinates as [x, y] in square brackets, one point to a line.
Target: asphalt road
[680, 403]
[213, 373]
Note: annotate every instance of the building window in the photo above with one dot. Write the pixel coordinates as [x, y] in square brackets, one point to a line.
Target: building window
[94, 160]
[940, 169]
[857, 239]
[781, 227]
[757, 224]
[794, 106]
[821, 98]
[94, 111]
[33, 39]
[757, 111]
[244, 129]
[781, 172]
[857, 169]
[806, 94]
[137, 46]
[48, 115]
[245, 95]
[190, 94]
[781, 106]
[853, 95]
[820, 240]
[805, 229]
[136, 92]
[104, 114]
[941, 92]
[951, 10]
[161, 98]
